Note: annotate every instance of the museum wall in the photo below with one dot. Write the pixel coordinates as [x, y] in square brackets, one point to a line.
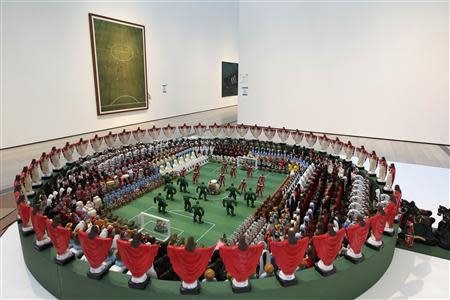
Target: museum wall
[367, 69]
[48, 83]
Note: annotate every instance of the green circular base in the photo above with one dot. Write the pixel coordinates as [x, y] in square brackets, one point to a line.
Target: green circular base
[70, 281]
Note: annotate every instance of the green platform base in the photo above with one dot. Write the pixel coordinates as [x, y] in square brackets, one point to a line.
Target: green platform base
[70, 281]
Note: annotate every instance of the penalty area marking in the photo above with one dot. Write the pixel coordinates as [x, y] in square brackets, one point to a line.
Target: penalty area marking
[212, 225]
[123, 96]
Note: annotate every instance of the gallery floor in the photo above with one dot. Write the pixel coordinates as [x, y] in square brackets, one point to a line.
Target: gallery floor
[410, 275]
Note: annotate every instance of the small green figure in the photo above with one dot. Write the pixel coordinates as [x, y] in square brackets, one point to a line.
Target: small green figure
[250, 196]
[167, 178]
[198, 212]
[161, 203]
[182, 181]
[171, 190]
[203, 191]
[187, 202]
[232, 189]
[228, 203]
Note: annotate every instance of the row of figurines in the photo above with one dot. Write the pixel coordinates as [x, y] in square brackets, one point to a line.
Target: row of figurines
[54, 155]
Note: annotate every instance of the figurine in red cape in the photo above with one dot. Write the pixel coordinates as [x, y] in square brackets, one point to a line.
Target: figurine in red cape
[138, 258]
[60, 237]
[377, 224]
[398, 198]
[391, 211]
[327, 248]
[241, 261]
[357, 236]
[288, 255]
[25, 215]
[189, 263]
[96, 250]
[39, 225]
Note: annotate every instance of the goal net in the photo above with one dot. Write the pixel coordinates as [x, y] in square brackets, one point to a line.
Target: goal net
[155, 226]
[243, 162]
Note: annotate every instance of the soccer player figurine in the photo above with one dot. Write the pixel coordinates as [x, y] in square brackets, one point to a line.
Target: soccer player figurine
[182, 181]
[250, 196]
[232, 189]
[288, 254]
[224, 166]
[242, 186]
[183, 172]
[228, 203]
[167, 178]
[189, 263]
[161, 203]
[241, 261]
[96, 250]
[198, 212]
[233, 172]
[196, 174]
[249, 171]
[221, 180]
[170, 191]
[138, 258]
[203, 191]
[356, 235]
[259, 189]
[187, 202]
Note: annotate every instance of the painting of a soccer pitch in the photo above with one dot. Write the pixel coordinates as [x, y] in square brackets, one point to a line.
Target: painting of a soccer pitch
[120, 67]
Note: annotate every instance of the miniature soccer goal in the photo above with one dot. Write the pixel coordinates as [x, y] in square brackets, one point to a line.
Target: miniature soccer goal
[155, 226]
[244, 162]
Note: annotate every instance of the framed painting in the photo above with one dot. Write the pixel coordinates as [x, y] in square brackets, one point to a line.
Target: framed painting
[120, 65]
[229, 79]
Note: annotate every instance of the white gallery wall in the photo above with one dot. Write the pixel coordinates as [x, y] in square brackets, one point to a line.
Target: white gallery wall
[347, 67]
[47, 86]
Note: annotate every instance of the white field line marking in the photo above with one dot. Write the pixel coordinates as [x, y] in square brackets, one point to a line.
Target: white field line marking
[209, 229]
[205, 232]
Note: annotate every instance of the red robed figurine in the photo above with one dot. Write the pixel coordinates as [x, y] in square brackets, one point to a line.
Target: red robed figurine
[189, 263]
[39, 222]
[357, 236]
[25, 215]
[391, 211]
[327, 248]
[96, 251]
[377, 224]
[138, 258]
[60, 238]
[241, 261]
[288, 256]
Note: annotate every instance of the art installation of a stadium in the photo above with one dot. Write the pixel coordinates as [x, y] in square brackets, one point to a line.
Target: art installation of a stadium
[261, 215]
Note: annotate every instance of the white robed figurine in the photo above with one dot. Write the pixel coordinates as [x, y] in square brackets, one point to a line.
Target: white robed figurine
[361, 153]
[382, 169]
[390, 178]
[67, 152]
[81, 147]
[324, 142]
[349, 151]
[55, 158]
[44, 162]
[373, 163]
